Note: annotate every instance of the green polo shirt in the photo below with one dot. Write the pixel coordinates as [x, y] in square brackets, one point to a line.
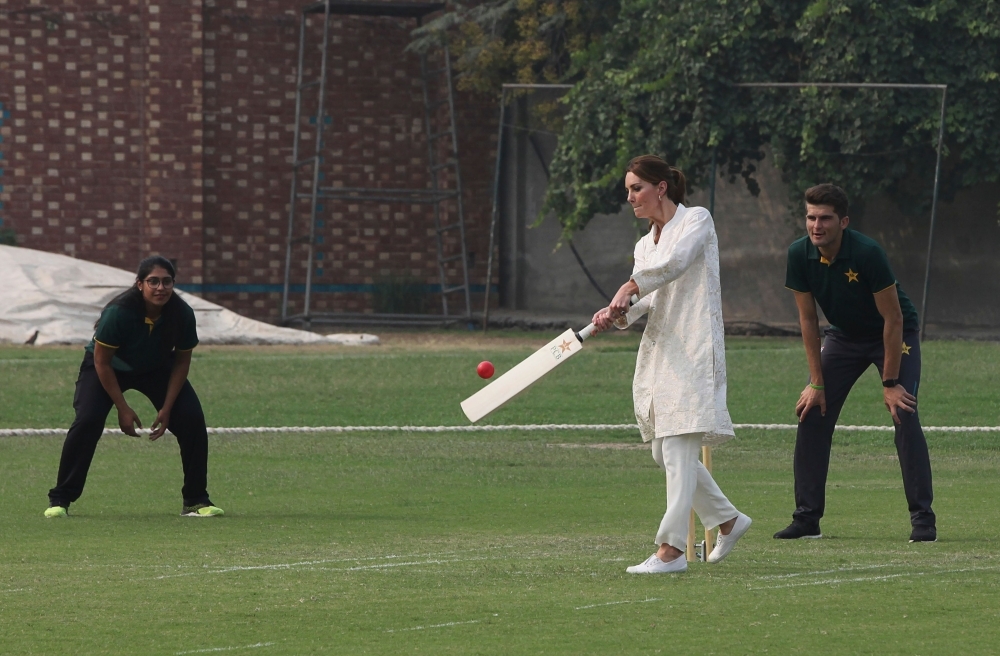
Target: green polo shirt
[138, 340]
[845, 288]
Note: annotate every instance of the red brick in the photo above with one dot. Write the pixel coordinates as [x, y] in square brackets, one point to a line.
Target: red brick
[172, 130]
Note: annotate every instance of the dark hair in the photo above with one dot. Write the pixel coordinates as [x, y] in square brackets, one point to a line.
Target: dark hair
[132, 299]
[828, 194]
[654, 170]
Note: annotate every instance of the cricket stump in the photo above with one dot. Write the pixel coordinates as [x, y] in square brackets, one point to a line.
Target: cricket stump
[706, 548]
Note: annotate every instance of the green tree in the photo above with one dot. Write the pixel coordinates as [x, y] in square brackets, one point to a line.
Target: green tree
[659, 78]
[524, 41]
[664, 84]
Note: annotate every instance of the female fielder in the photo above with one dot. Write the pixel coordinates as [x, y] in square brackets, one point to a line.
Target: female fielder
[679, 388]
[142, 341]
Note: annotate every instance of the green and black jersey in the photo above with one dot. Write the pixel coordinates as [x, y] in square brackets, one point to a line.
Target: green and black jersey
[845, 288]
[138, 340]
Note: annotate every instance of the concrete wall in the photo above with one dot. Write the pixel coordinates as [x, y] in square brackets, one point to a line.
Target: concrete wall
[538, 274]
[964, 294]
[536, 271]
[754, 234]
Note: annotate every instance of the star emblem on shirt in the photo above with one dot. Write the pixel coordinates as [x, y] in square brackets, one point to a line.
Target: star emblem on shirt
[906, 349]
[565, 346]
[852, 276]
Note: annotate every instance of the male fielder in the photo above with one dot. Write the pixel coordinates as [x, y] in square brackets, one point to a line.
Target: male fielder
[872, 322]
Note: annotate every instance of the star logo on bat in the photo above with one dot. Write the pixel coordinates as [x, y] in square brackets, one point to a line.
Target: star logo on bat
[852, 276]
[565, 346]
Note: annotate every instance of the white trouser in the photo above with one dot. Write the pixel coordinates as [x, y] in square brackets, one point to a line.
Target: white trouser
[689, 485]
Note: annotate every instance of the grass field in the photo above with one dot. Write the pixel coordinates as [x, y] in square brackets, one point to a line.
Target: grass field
[486, 543]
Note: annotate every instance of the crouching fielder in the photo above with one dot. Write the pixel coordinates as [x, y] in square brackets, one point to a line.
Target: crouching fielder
[143, 341]
[679, 388]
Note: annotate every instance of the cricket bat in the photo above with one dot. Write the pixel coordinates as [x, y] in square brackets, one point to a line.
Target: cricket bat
[526, 372]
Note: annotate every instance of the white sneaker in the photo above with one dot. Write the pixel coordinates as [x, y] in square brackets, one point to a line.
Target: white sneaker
[654, 565]
[725, 543]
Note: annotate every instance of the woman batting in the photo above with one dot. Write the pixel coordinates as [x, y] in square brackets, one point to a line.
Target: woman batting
[679, 389]
[142, 341]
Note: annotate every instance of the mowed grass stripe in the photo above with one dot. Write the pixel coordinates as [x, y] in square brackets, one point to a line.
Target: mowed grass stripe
[508, 542]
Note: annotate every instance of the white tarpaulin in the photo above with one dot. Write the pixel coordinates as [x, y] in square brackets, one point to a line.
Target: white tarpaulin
[60, 298]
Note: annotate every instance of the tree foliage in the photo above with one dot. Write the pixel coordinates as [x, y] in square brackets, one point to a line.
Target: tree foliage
[659, 78]
[670, 91]
[523, 41]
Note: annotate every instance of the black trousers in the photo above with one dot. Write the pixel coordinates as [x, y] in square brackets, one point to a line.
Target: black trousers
[92, 405]
[844, 360]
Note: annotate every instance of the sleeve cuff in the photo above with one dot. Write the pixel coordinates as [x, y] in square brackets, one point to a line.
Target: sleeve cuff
[635, 313]
[885, 288]
[797, 291]
[637, 278]
[110, 346]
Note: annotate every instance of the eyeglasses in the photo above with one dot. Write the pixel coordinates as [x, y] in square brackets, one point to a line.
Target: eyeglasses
[166, 282]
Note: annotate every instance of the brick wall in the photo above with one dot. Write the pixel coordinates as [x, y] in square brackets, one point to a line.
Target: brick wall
[73, 140]
[138, 127]
[5, 233]
[171, 125]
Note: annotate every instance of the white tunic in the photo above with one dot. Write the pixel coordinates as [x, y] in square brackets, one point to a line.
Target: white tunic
[680, 372]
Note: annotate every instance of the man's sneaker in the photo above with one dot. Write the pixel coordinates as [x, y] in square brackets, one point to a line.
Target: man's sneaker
[202, 510]
[653, 565]
[797, 530]
[923, 534]
[725, 543]
[59, 511]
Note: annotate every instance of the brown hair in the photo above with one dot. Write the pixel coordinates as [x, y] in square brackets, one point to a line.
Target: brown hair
[828, 194]
[654, 170]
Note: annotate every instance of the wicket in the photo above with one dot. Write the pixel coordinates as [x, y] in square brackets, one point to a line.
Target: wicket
[706, 547]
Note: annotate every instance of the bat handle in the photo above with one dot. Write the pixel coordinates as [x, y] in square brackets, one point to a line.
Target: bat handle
[589, 330]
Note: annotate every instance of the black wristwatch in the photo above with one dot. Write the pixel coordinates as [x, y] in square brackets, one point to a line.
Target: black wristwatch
[890, 382]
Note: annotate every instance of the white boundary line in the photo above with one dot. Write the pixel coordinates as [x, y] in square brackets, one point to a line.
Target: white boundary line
[618, 603]
[313, 564]
[250, 430]
[839, 570]
[213, 649]
[879, 429]
[432, 626]
[865, 579]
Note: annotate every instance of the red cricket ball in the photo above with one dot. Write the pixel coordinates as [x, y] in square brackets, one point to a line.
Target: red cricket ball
[485, 369]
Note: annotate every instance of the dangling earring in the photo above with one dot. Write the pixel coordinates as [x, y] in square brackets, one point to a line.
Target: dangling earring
[659, 198]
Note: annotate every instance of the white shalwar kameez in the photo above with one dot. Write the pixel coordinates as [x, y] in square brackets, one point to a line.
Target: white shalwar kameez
[679, 389]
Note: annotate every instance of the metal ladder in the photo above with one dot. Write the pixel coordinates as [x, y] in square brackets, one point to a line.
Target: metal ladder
[433, 100]
[444, 193]
[298, 163]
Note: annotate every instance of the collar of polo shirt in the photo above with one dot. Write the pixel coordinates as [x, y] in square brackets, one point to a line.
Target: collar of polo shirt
[844, 253]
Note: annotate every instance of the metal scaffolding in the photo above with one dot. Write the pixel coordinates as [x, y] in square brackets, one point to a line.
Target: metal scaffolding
[443, 193]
